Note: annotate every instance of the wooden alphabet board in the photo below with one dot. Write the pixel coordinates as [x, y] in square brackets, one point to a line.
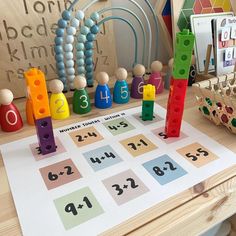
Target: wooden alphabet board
[27, 32]
[106, 171]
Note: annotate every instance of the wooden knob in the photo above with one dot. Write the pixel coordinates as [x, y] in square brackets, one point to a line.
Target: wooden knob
[139, 70]
[171, 63]
[56, 86]
[193, 60]
[121, 74]
[6, 96]
[156, 66]
[102, 78]
[80, 82]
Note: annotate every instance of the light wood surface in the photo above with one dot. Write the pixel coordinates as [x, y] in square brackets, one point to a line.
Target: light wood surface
[189, 213]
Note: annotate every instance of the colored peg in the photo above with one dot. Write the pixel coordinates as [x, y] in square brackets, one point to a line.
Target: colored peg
[169, 73]
[137, 82]
[29, 112]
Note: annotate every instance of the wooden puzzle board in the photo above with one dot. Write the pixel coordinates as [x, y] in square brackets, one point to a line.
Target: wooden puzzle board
[27, 40]
[116, 163]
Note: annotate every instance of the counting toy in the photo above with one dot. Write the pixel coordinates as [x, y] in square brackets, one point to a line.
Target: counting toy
[81, 100]
[10, 118]
[29, 112]
[58, 103]
[103, 97]
[137, 82]
[192, 72]
[155, 78]
[121, 90]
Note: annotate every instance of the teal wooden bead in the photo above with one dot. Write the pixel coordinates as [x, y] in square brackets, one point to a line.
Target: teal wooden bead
[88, 53]
[81, 69]
[70, 39]
[84, 30]
[81, 38]
[71, 78]
[91, 37]
[80, 62]
[89, 22]
[68, 47]
[60, 65]
[63, 79]
[80, 46]
[89, 61]
[58, 49]
[79, 15]
[95, 16]
[70, 63]
[70, 71]
[89, 75]
[62, 23]
[62, 73]
[59, 57]
[75, 23]
[69, 55]
[94, 29]
[71, 30]
[59, 32]
[58, 40]
[80, 54]
[66, 15]
[88, 45]
[89, 68]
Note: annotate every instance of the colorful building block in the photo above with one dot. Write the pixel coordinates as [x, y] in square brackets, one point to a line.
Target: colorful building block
[149, 92]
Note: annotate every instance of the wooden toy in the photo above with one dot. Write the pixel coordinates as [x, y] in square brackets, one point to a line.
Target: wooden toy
[179, 81]
[155, 78]
[37, 90]
[169, 73]
[58, 103]
[121, 90]
[81, 101]
[137, 82]
[149, 93]
[192, 72]
[103, 97]
[10, 118]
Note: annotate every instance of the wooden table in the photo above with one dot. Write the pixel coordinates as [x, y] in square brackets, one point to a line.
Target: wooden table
[189, 213]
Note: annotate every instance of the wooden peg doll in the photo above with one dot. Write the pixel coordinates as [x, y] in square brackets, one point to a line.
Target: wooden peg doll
[169, 73]
[192, 72]
[10, 118]
[103, 97]
[81, 101]
[121, 89]
[137, 82]
[58, 103]
[156, 78]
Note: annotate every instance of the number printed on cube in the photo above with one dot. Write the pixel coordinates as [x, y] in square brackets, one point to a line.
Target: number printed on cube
[77, 208]
[164, 170]
[225, 34]
[229, 54]
[59, 174]
[233, 32]
[125, 186]
[197, 154]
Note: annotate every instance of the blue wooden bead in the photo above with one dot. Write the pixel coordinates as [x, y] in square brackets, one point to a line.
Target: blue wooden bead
[70, 63]
[80, 46]
[58, 49]
[80, 54]
[72, 85]
[89, 22]
[81, 69]
[88, 45]
[79, 15]
[63, 79]
[69, 55]
[94, 29]
[70, 39]
[68, 47]
[62, 23]
[95, 16]
[60, 65]
[71, 30]
[66, 15]
[59, 57]
[80, 62]
[88, 53]
[70, 71]
[75, 23]
[89, 75]
[71, 78]
[59, 32]
[91, 37]
[89, 61]
[84, 30]
[58, 40]
[62, 73]
[81, 38]
[89, 68]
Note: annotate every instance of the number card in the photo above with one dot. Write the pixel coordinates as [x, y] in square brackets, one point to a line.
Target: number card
[225, 35]
[118, 126]
[233, 32]
[164, 170]
[125, 187]
[102, 158]
[77, 208]
[197, 154]
[138, 145]
[147, 122]
[85, 136]
[229, 54]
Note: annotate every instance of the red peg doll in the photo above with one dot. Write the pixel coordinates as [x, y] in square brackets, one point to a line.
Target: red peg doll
[10, 119]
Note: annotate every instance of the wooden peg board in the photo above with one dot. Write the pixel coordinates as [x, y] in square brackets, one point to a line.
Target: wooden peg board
[27, 39]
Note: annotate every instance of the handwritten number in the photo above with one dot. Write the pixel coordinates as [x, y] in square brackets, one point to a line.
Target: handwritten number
[163, 135]
[118, 189]
[70, 208]
[158, 171]
[69, 170]
[205, 153]
[171, 166]
[132, 183]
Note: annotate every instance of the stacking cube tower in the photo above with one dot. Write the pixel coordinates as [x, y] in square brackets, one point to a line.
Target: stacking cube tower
[179, 82]
[149, 93]
[37, 90]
